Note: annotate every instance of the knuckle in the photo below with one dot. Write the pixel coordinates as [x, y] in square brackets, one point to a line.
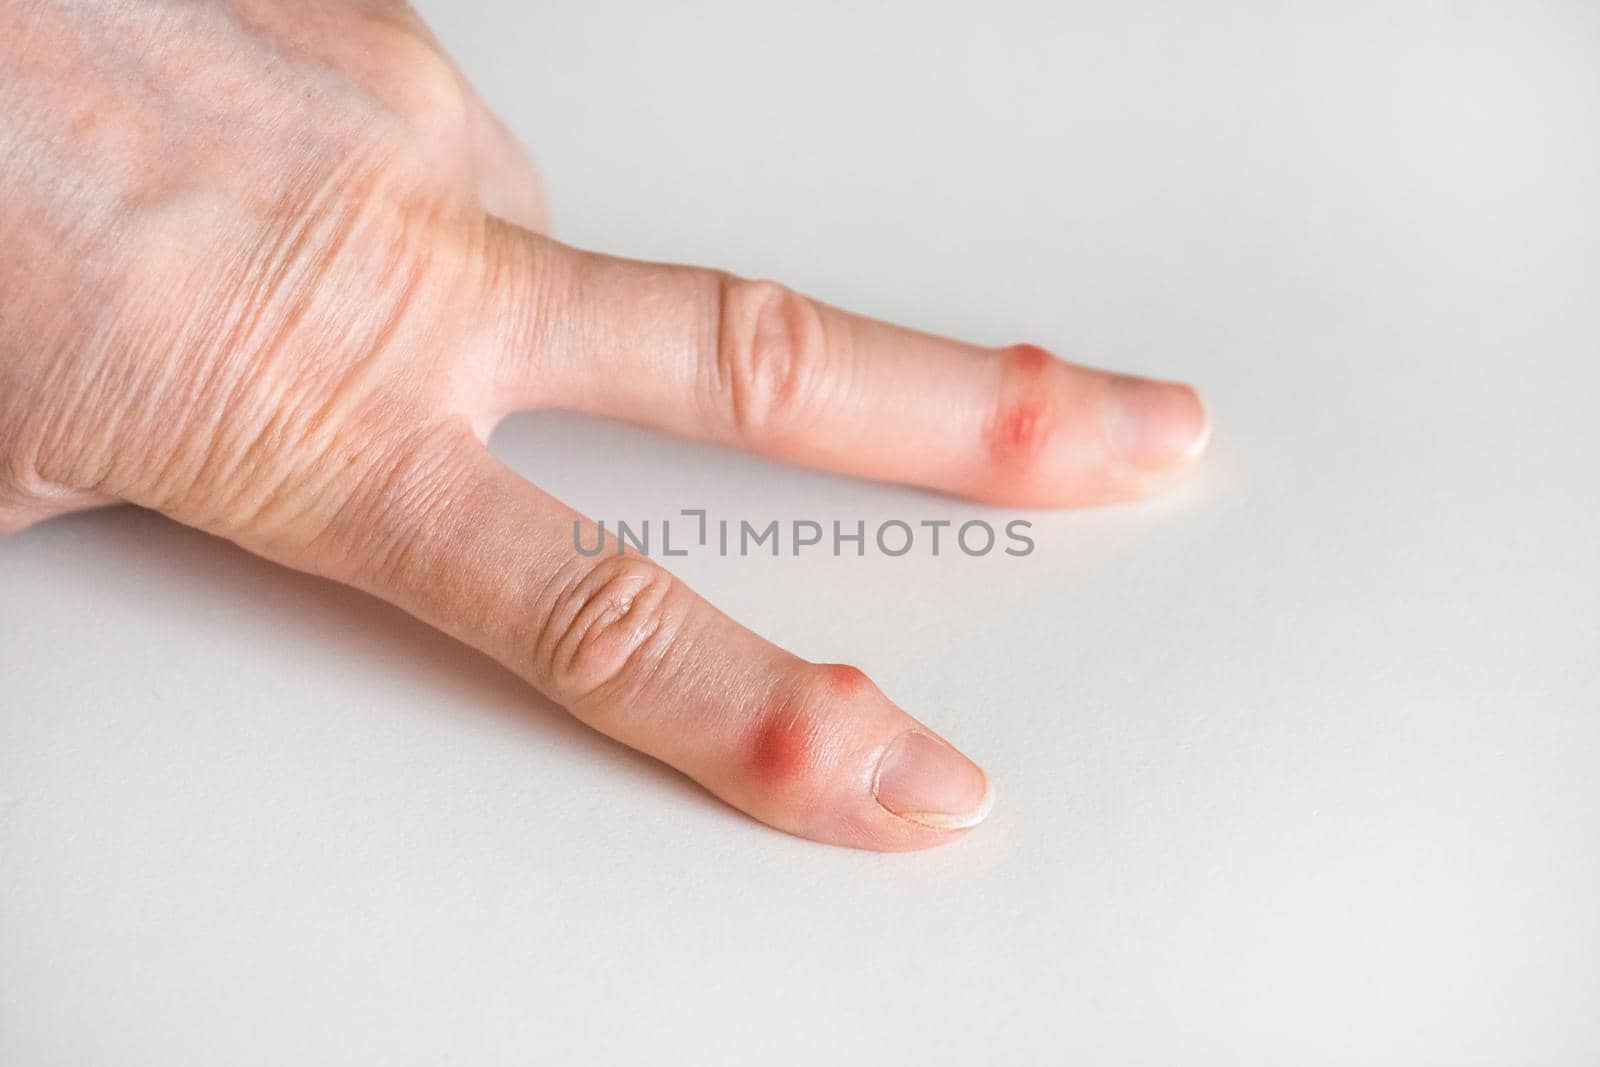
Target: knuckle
[434, 99]
[607, 629]
[770, 361]
[282, 386]
[414, 78]
[1024, 415]
[792, 746]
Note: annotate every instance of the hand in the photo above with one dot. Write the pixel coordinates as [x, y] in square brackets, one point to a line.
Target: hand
[272, 269]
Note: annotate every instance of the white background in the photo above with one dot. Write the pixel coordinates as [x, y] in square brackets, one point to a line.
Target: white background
[1296, 765]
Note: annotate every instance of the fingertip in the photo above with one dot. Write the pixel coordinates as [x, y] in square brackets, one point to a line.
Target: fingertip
[925, 780]
[1156, 426]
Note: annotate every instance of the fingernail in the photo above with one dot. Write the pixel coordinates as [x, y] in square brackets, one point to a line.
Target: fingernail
[923, 780]
[1155, 424]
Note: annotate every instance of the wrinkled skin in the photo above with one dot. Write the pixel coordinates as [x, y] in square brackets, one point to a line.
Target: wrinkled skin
[272, 269]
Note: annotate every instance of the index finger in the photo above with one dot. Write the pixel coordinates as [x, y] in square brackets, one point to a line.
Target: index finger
[710, 355]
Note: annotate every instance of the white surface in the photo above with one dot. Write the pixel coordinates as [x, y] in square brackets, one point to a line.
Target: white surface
[1298, 765]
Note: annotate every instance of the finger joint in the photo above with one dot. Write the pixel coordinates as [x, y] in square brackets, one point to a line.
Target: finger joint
[1025, 413]
[608, 626]
[770, 360]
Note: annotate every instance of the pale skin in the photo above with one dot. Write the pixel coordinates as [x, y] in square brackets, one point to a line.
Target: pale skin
[271, 268]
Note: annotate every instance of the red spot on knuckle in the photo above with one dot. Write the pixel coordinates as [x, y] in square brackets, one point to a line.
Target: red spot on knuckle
[1025, 413]
[1029, 360]
[789, 749]
[781, 753]
[844, 679]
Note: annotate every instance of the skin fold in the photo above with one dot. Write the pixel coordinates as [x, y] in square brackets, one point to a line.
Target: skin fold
[272, 269]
